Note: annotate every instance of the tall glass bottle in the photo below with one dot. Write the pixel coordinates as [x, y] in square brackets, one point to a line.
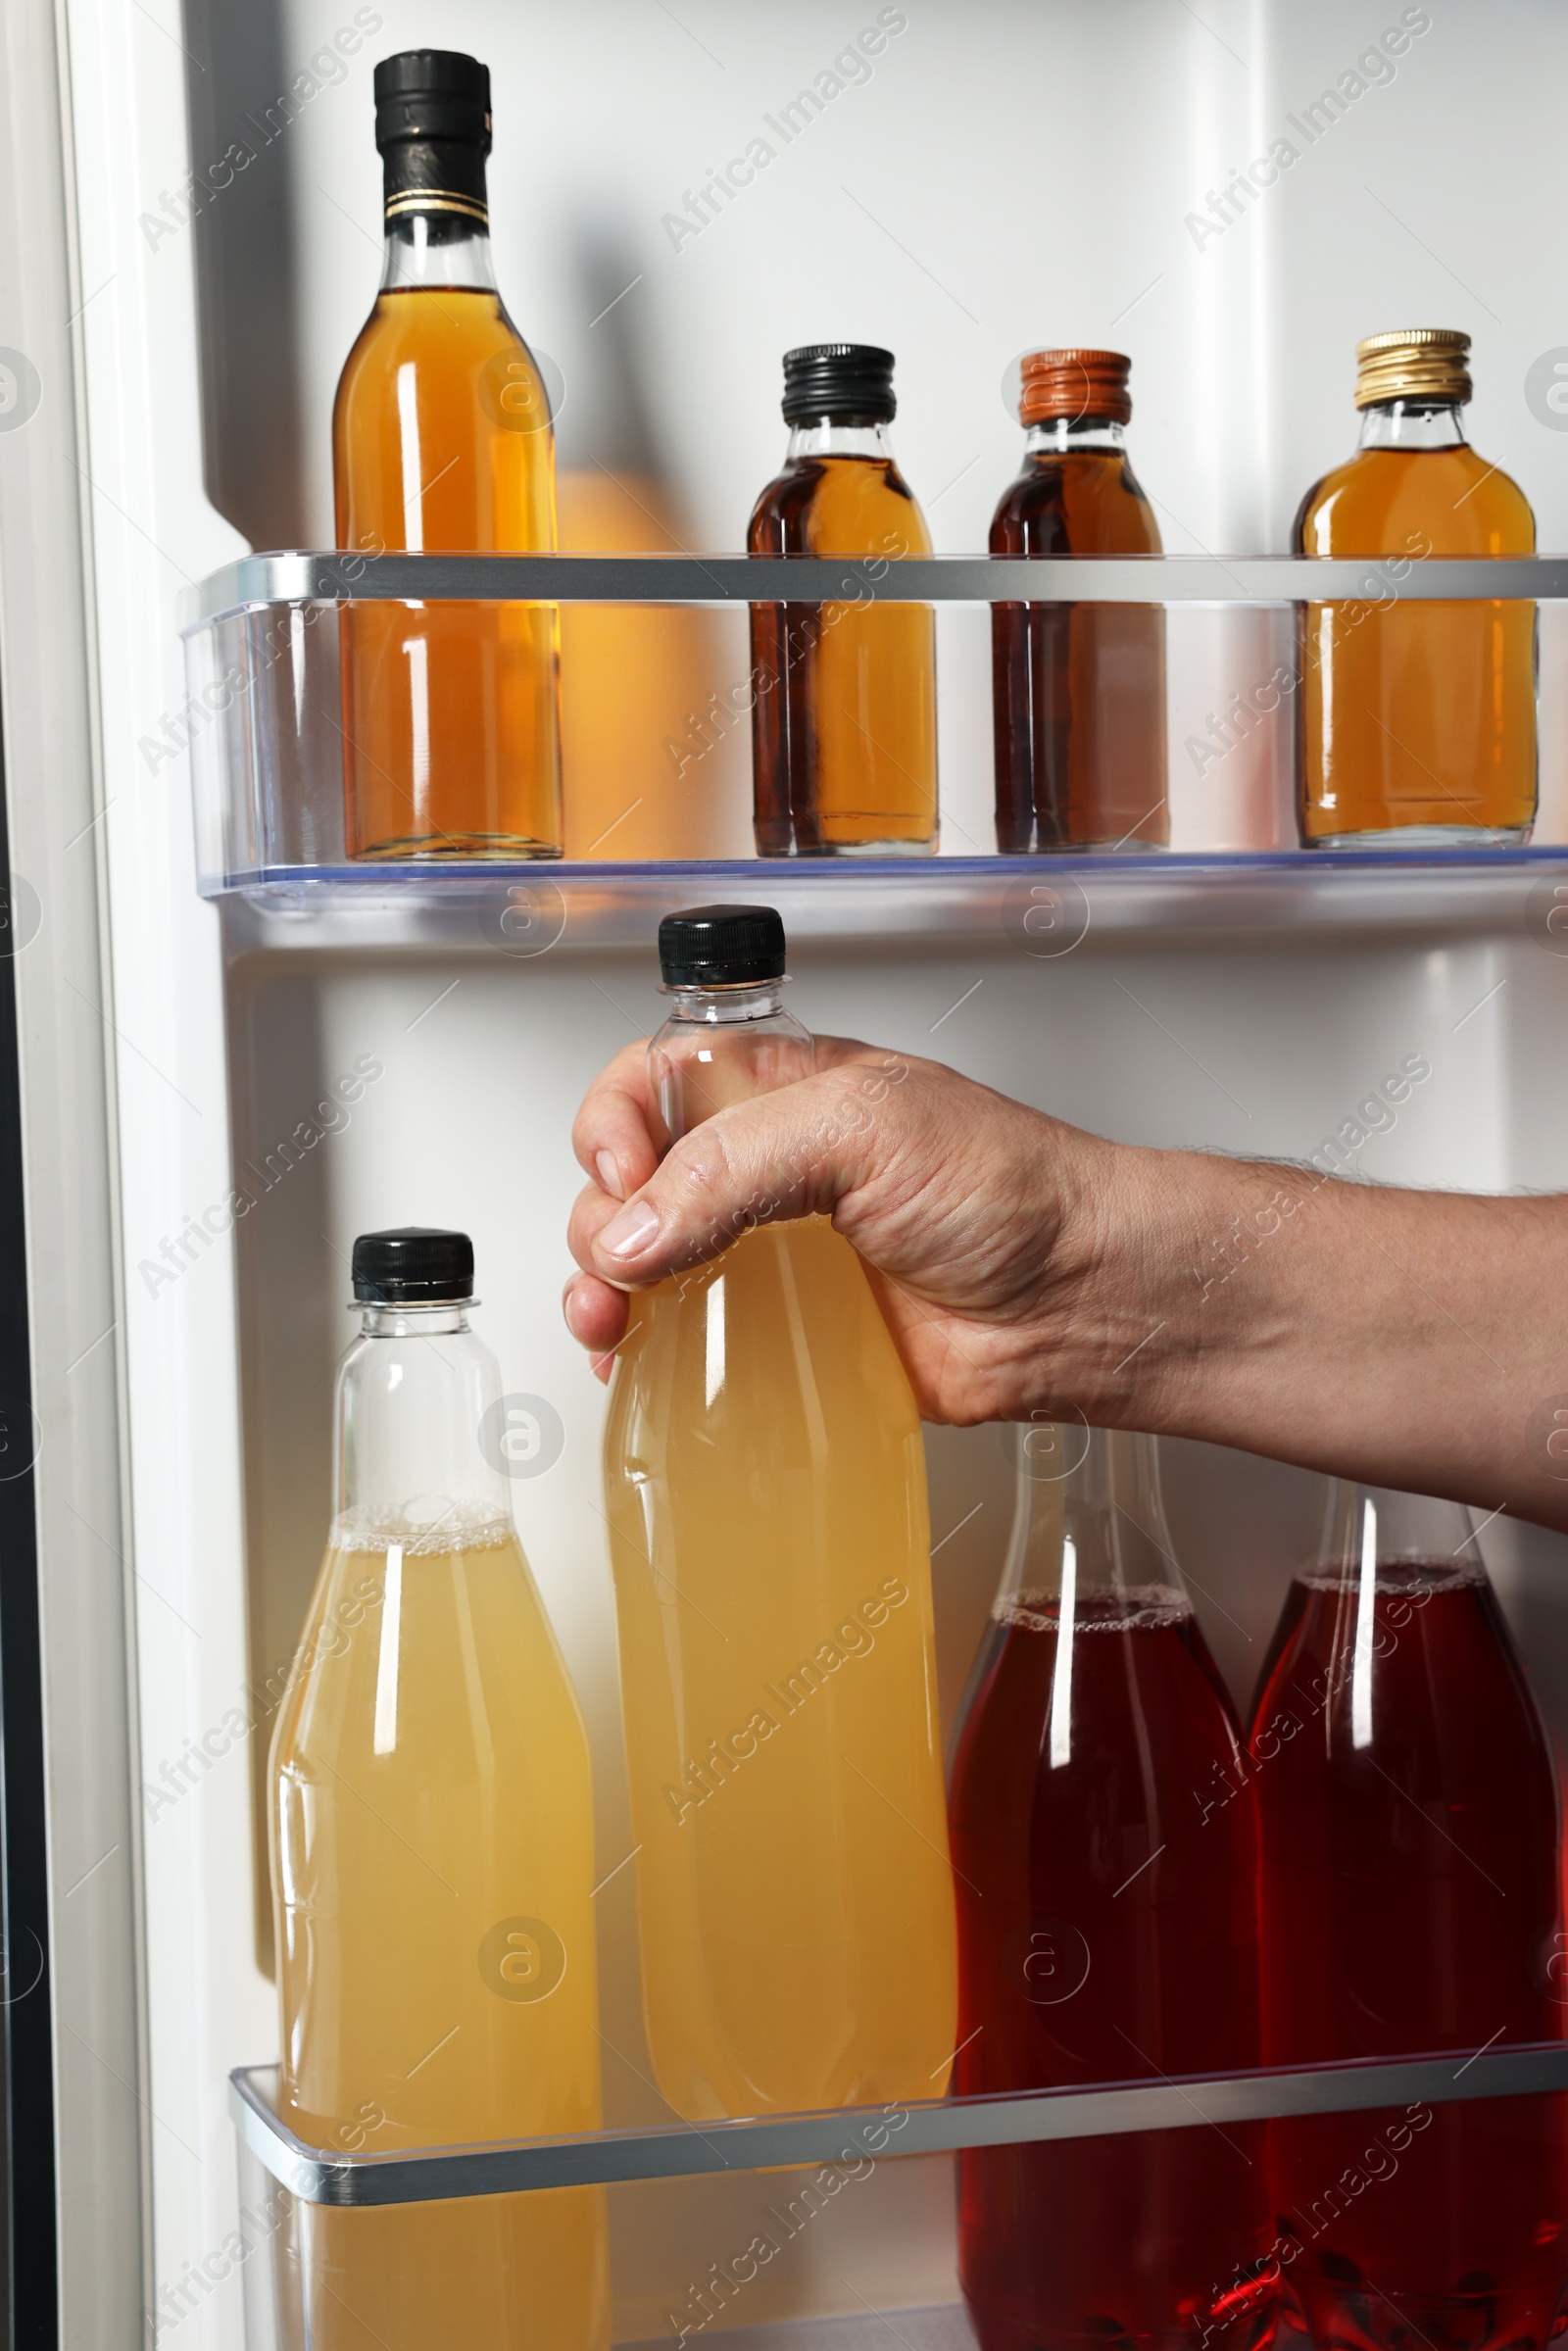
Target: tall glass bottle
[1411, 1903]
[1078, 690]
[1418, 720]
[432, 1854]
[1105, 1848]
[844, 710]
[765, 1489]
[442, 442]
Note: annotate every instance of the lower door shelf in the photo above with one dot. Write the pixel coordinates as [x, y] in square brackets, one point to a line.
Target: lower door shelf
[848, 2134]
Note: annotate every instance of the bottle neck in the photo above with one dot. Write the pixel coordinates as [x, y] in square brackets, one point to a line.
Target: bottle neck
[827, 436]
[1060, 436]
[441, 1321]
[727, 1007]
[1413, 424]
[436, 249]
[1090, 1525]
[1373, 1528]
[723, 1046]
[417, 1447]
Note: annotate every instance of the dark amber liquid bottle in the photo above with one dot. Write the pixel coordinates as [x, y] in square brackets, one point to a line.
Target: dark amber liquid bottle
[1078, 689]
[843, 712]
[1417, 720]
[442, 441]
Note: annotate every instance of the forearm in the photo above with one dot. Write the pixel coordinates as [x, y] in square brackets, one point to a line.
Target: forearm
[1412, 1339]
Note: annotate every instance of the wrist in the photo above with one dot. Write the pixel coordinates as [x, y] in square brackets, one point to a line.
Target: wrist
[1163, 1285]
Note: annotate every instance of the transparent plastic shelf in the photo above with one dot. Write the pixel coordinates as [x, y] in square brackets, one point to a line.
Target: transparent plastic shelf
[1041, 908]
[331, 577]
[658, 790]
[322, 2176]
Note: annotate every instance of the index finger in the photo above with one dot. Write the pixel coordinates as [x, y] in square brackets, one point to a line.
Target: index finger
[611, 1134]
[611, 1131]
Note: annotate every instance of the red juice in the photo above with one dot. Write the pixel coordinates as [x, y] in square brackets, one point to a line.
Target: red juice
[1104, 1847]
[1411, 1903]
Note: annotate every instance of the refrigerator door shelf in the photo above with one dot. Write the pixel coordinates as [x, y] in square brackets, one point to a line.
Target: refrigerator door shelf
[261, 717]
[333, 577]
[316, 2176]
[1045, 907]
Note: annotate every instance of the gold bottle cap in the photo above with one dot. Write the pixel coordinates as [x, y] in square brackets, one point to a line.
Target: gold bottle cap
[1414, 363]
[1074, 384]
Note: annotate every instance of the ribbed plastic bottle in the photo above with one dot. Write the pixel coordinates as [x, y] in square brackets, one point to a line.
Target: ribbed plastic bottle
[433, 1856]
[765, 1489]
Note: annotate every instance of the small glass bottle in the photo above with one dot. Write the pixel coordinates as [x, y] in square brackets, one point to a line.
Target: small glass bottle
[1078, 690]
[1418, 720]
[764, 1483]
[1105, 1854]
[844, 709]
[442, 442]
[434, 1853]
[1411, 1903]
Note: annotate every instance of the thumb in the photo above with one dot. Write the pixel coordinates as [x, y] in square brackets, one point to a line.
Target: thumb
[793, 1153]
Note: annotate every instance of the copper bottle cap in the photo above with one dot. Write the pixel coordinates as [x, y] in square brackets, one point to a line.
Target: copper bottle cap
[1414, 363]
[1074, 384]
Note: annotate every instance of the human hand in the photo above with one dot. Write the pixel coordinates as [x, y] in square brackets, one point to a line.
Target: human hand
[976, 1219]
[1029, 1271]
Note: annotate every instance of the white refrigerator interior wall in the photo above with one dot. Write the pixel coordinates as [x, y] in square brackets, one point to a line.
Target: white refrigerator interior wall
[1000, 178]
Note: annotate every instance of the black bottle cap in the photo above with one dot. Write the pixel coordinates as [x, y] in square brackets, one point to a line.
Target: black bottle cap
[721, 946]
[432, 126]
[850, 382]
[432, 94]
[415, 1265]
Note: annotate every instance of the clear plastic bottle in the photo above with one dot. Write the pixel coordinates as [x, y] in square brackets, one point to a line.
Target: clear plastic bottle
[1411, 1902]
[765, 1489]
[433, 1856]
[1104, 1847]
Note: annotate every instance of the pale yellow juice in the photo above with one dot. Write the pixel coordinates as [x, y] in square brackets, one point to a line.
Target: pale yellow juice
[765, 1487]
[432, 1847]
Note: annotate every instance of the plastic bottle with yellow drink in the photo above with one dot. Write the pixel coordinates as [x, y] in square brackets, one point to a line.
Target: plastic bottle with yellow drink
[432, 1855]
[766, 1490]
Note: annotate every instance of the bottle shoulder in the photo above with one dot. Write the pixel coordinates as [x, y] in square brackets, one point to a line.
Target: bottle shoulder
[477, 471]
[837, 506]
[795, 1274]
[1448, 1692]
[429, 1599]
[460, 343]
[1088, 502]
[1415, 501]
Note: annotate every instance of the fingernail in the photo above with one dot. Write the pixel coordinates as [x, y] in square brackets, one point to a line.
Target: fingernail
[609, 1175]
[628, 1234]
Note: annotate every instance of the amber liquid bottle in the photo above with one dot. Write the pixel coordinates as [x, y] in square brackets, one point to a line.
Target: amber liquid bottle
[442, 442]
[1078, 690]
[844, 710]
[1417, 720]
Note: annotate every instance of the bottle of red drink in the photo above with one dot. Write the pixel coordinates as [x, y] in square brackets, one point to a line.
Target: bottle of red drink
[1105, 1850]
[1411, 1903]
